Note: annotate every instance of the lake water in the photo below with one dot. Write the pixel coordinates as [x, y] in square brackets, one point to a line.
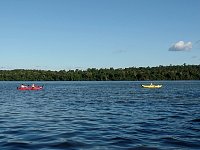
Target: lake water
[100, 116]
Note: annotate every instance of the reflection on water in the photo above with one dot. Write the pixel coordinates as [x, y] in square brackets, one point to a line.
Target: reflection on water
[100, 115]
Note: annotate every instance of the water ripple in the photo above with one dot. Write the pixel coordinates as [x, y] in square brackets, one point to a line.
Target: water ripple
[100, 115]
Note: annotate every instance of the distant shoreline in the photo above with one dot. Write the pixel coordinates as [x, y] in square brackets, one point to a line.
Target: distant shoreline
[178, 72]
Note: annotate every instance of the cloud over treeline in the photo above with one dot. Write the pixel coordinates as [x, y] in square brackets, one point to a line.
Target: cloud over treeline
[181, 46]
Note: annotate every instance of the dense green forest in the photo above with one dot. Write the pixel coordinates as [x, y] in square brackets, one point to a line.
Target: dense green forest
[178, 72]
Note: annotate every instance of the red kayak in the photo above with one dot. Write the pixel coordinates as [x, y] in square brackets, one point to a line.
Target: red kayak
[30, 88]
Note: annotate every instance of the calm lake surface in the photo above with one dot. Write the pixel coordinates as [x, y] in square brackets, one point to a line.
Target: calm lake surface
[100, 116]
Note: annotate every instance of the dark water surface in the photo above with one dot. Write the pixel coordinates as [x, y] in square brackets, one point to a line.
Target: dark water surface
[100, 116]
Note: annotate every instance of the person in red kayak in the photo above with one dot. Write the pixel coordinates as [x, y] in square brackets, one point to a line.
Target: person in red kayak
[33, 86]
[23, 86]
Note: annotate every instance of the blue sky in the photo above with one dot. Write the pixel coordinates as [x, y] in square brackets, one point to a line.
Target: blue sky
[81, 34]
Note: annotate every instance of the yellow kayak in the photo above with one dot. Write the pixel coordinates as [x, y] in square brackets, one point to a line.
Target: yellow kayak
[151, 86]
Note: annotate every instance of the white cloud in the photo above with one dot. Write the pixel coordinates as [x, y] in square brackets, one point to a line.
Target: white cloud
[181, 46]
[194, 57]
[197, 42]
[119, 51]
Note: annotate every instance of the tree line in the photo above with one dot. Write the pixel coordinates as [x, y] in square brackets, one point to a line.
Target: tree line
[177, 72]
